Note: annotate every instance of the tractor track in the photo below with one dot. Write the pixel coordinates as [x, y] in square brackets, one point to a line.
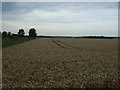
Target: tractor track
[64, 45]
[59, 44]
[68, 45]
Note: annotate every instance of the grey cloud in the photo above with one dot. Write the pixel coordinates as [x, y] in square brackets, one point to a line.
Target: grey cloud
[25, 14]
[20, 10]
[53, 6]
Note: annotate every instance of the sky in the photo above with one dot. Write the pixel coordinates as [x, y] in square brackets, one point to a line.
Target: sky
[0, 16]
[61, 18]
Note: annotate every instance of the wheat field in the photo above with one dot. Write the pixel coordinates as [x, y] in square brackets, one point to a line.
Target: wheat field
[61, 63]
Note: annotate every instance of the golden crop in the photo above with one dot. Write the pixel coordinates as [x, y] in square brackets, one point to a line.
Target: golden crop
[60, 63]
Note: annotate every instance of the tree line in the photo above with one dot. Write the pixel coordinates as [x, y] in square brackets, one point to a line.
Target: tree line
[21, 33]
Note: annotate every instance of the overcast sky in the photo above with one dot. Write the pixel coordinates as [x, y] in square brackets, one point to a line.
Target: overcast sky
[62, 18]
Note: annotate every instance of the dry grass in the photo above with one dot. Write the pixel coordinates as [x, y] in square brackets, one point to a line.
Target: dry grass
[60, 63]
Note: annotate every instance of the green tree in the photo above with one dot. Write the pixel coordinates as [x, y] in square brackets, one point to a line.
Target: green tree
[0, 34]
[4, 34]
[9, 34]
[21, 32]
[32, 32]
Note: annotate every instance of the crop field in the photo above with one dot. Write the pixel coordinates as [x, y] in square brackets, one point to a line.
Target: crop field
[9, 41]
[61, 63]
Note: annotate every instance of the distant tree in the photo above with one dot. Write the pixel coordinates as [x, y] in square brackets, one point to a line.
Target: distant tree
[21, 32]
[14, 35]
[4, 34]
[32, 32]
[9, 34]
[0, 34]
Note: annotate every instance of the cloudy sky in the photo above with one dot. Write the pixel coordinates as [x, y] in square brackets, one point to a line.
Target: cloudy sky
[62, 18]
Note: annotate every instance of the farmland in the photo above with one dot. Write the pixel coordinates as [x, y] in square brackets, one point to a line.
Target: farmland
[60, 63]
[10, 41]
